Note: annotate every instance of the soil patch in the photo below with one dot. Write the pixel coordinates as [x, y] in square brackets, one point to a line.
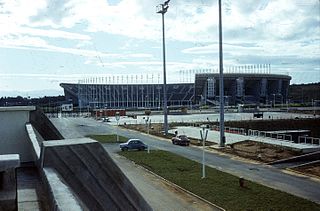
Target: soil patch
[312, 169]
[259, 151]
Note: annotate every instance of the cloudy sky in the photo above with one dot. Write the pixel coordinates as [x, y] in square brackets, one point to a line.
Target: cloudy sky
[46, 42]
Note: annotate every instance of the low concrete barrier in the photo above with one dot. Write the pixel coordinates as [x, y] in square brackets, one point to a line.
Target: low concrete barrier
[34, 138]
[8, 181]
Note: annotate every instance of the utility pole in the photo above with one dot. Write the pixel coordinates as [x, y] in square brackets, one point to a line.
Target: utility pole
[162, 9]
[221, 84]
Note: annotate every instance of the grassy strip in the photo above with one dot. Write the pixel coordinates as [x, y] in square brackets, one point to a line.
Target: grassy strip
[218, 187]
[112, 138]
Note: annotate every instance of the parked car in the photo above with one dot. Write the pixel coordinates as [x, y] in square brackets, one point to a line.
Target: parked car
[181, 140]
[105, 119]
[133, 144]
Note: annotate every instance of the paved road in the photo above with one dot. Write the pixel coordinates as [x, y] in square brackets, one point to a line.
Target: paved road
[158, 193]
[267, 175]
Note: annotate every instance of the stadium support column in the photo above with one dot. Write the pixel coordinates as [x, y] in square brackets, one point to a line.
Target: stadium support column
[210, 91]
[240, 89]
[163, 8]
[280, 91]
[263, 89]
[221, 87]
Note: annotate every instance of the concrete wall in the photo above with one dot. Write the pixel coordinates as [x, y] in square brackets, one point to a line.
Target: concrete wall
[43, 125]
[13, 135]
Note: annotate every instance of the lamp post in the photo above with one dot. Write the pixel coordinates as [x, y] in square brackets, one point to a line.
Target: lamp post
[221, 85]
[162, 9]
[117, 115]
[203, 134]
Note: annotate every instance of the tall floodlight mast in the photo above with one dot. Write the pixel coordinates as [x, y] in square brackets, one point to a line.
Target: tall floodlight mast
[221, 87]
[162, 9]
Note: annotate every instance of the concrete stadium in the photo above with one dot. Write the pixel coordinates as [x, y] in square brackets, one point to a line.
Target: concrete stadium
[239, 88]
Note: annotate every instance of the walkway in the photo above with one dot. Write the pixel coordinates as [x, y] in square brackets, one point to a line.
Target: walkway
[30, 192]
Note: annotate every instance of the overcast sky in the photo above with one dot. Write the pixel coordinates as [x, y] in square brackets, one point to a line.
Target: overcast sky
[46, 42]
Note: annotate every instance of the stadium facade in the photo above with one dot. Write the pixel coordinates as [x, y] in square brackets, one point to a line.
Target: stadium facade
[239, 88]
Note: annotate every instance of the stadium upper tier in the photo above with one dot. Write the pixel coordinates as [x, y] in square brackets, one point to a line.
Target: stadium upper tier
[239, 88]
[242, 88]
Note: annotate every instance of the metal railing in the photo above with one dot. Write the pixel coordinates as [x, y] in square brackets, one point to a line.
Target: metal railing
[271, 135]
[308, 140]
[240, 131]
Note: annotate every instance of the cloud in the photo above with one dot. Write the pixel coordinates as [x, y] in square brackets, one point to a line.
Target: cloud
[53, 12]
[283, 32]
[36, 43]
[47, 33]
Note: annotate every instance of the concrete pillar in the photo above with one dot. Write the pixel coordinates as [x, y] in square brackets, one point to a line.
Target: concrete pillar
[279, 90]
[240, 87]
[263, 87]
[211, 87]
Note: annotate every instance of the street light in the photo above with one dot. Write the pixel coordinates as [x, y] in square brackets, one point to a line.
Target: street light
[162, 9]
[203, 134]
[117, 115]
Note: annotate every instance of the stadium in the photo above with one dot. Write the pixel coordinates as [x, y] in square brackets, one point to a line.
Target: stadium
[239, 88]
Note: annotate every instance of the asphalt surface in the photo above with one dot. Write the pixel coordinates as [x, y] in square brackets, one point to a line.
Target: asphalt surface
[298, 185]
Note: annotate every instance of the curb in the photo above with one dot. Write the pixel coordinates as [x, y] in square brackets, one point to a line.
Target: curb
[310, 176]
[176, 186]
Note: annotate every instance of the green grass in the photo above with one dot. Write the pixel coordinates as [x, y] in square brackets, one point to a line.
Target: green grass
[218, 187]
[112, 138]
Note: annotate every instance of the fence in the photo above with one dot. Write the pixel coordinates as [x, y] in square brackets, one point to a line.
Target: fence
[308, 140]
[271, 135]
[68, 114]
[240, 131]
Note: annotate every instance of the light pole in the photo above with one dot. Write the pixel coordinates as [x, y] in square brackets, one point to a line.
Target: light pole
[221, 85]
[203, 134]
[117, 115]
[162, 9]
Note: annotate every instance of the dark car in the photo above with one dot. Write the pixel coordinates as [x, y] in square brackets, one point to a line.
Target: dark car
[133, 144]
[181, 140]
